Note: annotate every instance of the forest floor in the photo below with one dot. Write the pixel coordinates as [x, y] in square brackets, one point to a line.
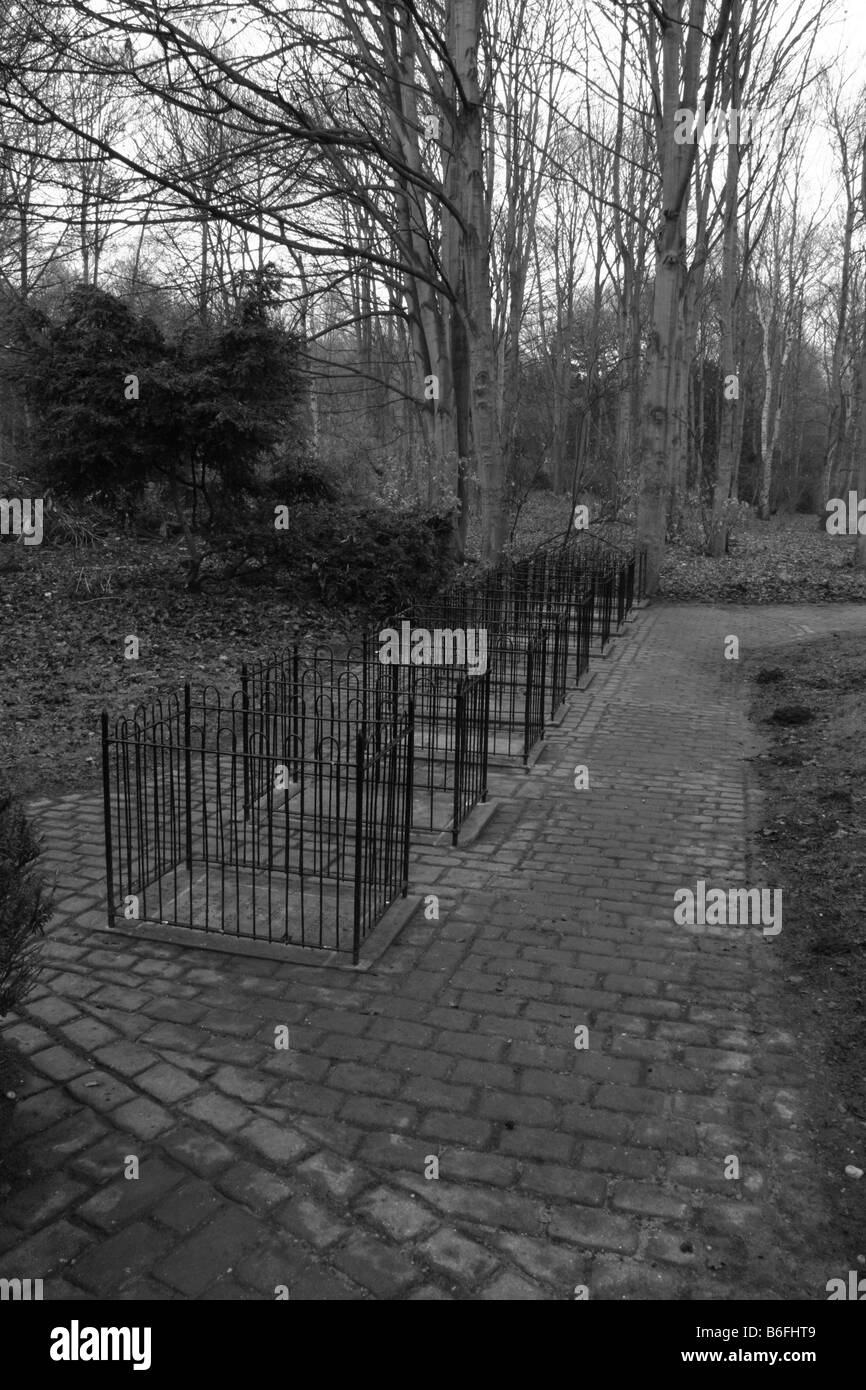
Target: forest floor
[788, 559]
[809, 699]
[65, 613]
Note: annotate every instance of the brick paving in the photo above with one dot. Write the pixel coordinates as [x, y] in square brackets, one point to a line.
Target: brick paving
[560, 1169]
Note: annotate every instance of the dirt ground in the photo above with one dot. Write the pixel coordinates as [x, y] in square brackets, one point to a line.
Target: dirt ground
[810, 699]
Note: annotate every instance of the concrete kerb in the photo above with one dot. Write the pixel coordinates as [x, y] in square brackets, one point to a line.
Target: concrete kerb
[473, 826]
[382, 935]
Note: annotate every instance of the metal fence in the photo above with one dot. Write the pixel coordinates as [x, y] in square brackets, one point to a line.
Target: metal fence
[302, 695]
[560, 587]
[531, 602]
[517, 660]
[212, 826]
[452, 713]
[616, 577]
[284, 813]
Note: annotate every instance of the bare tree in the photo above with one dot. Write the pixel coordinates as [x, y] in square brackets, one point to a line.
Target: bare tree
[674, 48]
[785, 262]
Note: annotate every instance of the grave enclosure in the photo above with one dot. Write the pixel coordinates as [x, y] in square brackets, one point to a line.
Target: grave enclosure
[285, 815]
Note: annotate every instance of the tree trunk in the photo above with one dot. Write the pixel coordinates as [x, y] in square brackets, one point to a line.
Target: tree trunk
[660, 439]
[467, 182]
[194, 561]
[463, 428]
[860, 546]
[766, 455]
[729, 404]
[657, 440]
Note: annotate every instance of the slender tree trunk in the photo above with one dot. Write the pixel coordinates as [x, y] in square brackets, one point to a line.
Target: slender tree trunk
[195, 556]
[203, 271]
[660, 438]
[23, 254]
[729, 404]
[860, 546]
[766, 408]
[468, 187]
[462, 416]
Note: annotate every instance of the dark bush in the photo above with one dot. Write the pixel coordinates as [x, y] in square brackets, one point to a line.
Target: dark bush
[116, 406]
[300, 481]
[792, 714]
[340, 554]
[24, 906]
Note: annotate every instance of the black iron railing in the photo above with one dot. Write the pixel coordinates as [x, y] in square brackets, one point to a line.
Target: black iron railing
[284, 813]
[304, 695]
[516, 660]
[215, 825]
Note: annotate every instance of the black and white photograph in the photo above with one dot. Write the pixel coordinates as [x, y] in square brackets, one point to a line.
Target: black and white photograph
[432, 672]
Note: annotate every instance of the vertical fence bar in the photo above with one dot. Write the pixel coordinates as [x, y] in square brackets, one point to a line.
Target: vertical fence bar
[106, 804]
[485, 734]
[142, 824]
[459, 758]
[527, 702]
[187, 766]
[359, 844]
[295, 716]
[409, 736]
[245, 736]
[554, 685]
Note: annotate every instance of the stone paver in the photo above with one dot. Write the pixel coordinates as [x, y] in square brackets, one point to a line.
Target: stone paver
[434, 1131]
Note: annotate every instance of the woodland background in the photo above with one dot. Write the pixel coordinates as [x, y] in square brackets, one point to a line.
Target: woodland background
[431, 258]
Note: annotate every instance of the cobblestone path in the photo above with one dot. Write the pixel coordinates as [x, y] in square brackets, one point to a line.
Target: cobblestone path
[560, 1167]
